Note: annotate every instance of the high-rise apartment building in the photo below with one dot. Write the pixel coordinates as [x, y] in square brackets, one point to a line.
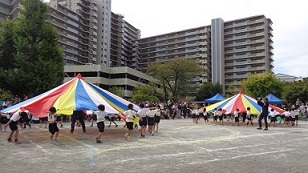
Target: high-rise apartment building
[9, 8]
[228, 51]
[123, 37]
[91, 19]
[192, 43]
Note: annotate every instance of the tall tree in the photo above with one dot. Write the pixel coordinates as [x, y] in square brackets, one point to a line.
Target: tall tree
[39, 58]
[174, 76]
[208, 90]
[260, 85]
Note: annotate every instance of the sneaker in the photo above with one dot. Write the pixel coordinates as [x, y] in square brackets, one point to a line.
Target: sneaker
[126, 136]
[109, 126]
[116, 125]
[9, 140]
[152, 134]
[60, 126]
[265, 129]
[259, 128]
[98, 141]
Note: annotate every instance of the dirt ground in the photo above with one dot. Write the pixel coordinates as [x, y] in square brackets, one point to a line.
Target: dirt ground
[179, 146]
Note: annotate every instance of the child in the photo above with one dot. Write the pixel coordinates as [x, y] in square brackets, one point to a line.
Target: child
[286, 118]
[220, 117]
[236, 117]
[205, 116]
[52, 120]
[14, 121]
[272, 116]
[100, 114]
[151, 121]
[249, 116]
[143, 122]
[130, 116]
[215, 116]
[157, 119]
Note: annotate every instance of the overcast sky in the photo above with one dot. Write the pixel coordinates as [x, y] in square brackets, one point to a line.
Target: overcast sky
[290, 22]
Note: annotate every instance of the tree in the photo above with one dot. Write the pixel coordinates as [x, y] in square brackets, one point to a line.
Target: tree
[174, 76]
[144, 93]
[119, 91]
[260, 85]
[39, 61]
[208, 90]
[296, 90]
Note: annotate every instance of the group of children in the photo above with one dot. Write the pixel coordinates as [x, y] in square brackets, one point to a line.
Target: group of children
[149, 118]
[289, 116]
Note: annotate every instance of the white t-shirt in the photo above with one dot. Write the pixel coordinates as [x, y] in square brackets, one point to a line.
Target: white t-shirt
[248, 113]
[100, 116]
[52, 118]
[272, 114]
[129, 115]
[16, 116]
[235, 114]
[142, 112]
[151, 113]
[286, 113]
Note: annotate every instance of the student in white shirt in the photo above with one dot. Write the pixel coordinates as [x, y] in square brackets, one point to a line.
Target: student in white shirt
[236, 117]
[272, 116]
[14, 121]
[52, 121]
[143, 122]
[249, 116]
[151, 121]
[287, 118]
[130, 116]
[100, 114]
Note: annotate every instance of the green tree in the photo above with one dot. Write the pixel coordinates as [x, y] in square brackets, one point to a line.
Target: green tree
[174, 76]
[39, 58]
[260, 85]
[7, 46]
[144, 93]
[119, 91]
[296, 90]
[208, 90]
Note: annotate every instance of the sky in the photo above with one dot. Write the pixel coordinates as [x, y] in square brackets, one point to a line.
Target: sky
[290, 22]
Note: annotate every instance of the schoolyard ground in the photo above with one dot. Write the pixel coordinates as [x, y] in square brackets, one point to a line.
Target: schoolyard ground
[179, 146]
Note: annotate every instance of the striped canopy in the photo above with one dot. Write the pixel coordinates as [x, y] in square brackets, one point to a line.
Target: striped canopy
[76, 94]
[241, 102]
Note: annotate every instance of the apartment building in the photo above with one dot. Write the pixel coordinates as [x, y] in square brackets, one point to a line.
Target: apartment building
[123, 36]
[228, 51]
[9, 8]
[192, 43]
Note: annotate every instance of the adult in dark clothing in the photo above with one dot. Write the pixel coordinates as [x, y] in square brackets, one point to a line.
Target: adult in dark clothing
[264, 113]
[78, 115]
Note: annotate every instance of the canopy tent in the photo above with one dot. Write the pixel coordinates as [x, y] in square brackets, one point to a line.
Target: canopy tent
[76, 94]
[241, 102]
[215, 99]
[272, 99]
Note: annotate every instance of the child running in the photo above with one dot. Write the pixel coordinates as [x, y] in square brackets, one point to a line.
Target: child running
[143, 122]
[52, 121]
[100, 114]
[130, 116]
[151, 120]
